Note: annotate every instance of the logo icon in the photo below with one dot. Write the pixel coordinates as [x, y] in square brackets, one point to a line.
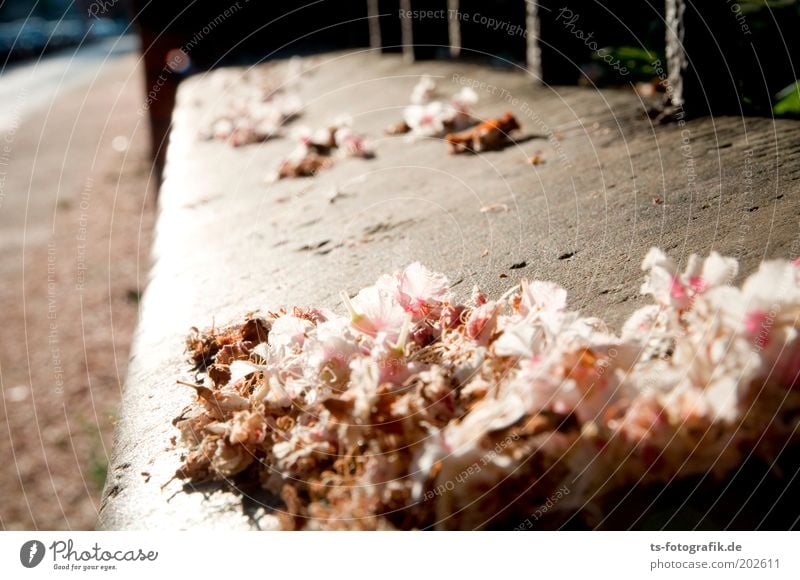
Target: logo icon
[31, 553]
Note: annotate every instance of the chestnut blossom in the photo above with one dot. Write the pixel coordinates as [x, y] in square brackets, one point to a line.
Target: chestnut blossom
[251, 107]
[416, 411]
[538, 297]
[289, 332]
[427, 120]
[418, 290]
[669, 287]
[330, 353]
[318, 148]
[424, 91]
[426, 117]
[351, 144]
[375, 310]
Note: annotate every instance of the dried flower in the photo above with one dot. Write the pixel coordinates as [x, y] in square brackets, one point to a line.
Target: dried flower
[426, 117]
[316, 149]
[415, 410]
[254, 105]
[491, 135]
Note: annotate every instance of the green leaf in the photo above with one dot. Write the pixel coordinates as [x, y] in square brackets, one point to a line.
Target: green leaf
[788, 100]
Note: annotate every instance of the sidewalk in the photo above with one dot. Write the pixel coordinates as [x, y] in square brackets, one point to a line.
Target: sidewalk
[76, 210]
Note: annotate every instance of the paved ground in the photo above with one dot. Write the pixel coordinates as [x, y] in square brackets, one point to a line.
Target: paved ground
[611, 185]
[76, 211]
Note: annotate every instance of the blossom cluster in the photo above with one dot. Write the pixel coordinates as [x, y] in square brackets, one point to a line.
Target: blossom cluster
[414, 410]
[317, 149]
[254, 105]
[428, 116]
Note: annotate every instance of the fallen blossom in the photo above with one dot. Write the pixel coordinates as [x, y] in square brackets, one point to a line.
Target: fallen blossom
[317, 149]
[254, 105]
[427, 117]
[414, 410]
[423, 91]
[491, 135]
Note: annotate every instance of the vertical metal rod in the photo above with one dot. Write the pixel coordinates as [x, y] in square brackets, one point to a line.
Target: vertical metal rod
[533, 55]
[407, 31]
[373, 13]
[454, 27]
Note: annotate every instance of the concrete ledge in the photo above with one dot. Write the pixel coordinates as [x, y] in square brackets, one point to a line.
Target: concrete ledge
[228, 243]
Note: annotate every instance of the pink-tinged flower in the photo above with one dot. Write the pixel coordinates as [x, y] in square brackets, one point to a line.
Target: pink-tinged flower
[717, 271]
[645, 419]
[698, 284]
[248, 428]
[661, 276]
[478, 298]
[289, 332]
[434, 118]
[374, 310]
[330, 352]
[586, 390]
[249, 112]
[677, 290]
[756, 324]
[390, 359]
[351, 144]
[456, 116]
[465, 98]
[311, 140]
[451, 316]
[423, 335]
[540, 385]
[426, 120]
[691, 385]
[461, 104]
[363, 391]
[422, 292]
[540, 296]
[482, 323]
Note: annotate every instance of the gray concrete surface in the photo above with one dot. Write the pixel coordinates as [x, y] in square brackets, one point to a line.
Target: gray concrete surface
[77, 201]
[612, 185]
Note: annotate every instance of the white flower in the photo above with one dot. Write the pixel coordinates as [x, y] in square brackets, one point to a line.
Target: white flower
[520, 340]
[482, 323]
[375, 310]
[406, 400]
[426, 120]
[289, 332]
[329, 352]
[351, 144]
[423, 91]
[464, 99]
[676, 290]
[540, 296]
[418, 290]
